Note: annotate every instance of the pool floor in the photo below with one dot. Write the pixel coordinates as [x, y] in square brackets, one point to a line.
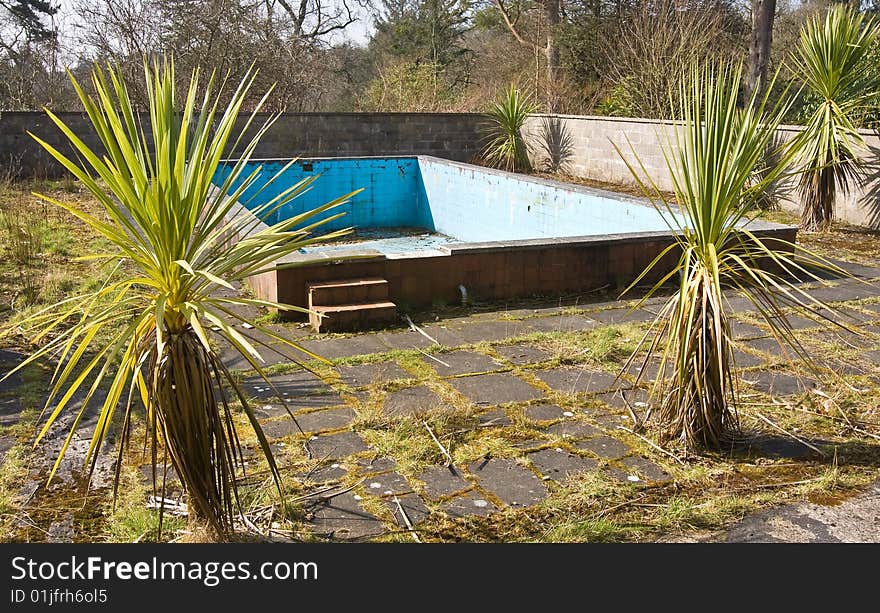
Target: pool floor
[390, 242]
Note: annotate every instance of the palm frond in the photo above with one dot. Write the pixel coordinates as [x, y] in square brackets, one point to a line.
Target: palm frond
[149, 334]
[829, 60]
[505, 147]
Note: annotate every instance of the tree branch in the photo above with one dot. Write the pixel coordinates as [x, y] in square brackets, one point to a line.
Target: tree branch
[511, 24]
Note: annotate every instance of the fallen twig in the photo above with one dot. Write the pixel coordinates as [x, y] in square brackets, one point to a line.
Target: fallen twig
[406, 520]
[604, 512]
[786, 484]
[866, 433]
[327, 489]
[419, 330]
[653, 445]
[439, 444]
[428, 355]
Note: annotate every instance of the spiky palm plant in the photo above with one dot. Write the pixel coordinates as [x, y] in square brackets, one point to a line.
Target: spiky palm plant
[505, 147]
[713, 160]
[830, 61]
[145, 335]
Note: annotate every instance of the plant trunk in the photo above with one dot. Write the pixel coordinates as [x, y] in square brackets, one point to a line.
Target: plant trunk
[194, 431]
[551, 53]
[763, 14]
[818, 191]
[697, 411]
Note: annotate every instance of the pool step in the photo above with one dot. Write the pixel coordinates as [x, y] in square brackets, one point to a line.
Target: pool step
[348, 291]
[350, 304]
[342, 317]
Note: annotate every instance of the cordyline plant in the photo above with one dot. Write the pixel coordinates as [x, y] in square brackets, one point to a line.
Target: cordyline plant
[830, 60]
[145, 335]
[506, 148]
[714, 160]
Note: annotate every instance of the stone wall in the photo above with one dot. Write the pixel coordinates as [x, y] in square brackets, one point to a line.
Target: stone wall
[454, 136]
[584, 146]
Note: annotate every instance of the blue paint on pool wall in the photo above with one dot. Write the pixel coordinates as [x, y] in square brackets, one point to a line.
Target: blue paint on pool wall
[392, 196]
[475, 204]
[465, 203]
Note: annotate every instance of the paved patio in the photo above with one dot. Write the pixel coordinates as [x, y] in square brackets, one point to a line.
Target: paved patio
[557, 415]
[515, 417]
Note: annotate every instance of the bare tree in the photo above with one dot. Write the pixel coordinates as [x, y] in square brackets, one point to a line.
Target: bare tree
[281, 40]
[542, 39]
[654, 46]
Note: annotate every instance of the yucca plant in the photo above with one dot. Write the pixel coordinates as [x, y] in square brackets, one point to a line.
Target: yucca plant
[714, 160]
[146, 335]
[830, 61]
[505, 147]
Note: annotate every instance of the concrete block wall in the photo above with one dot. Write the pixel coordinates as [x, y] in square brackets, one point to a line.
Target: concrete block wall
[584, 146]
[454, 136]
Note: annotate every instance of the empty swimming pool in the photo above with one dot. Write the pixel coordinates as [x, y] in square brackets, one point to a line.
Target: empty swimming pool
[430, 227]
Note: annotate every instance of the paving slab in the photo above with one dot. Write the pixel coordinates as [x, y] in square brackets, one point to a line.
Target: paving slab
[544, 412]
[606, 447]
[280, 428]
[769, 345]
[777, 383]
[411, 401]
[558, 463]
[362, 375]
[490, 331]
[342, 517]
[637, 398]
[413, 507]
[404, 339]
[622, 316]
[324, 474]
[573, 429]
[10, 410]
[495, 417]
[326, 419]
[463, 363]
[377, 465]
[299, 390]
[277, 352]
[469, 505]
[443, 481]
[334, 348]
[616, 474]
[779, 447]
[743, 359]
[742, 330]
[562, 323]
[6, 443]
[387, 484]
[578, 380]
[334, 446]
[844, 292]
[512, 483]
[646, 469]
[495, 389]
[523, 354]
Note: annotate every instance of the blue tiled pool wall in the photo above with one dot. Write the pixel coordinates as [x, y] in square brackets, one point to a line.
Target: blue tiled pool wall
[392, 196]
[468, 203]
[476, 205]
